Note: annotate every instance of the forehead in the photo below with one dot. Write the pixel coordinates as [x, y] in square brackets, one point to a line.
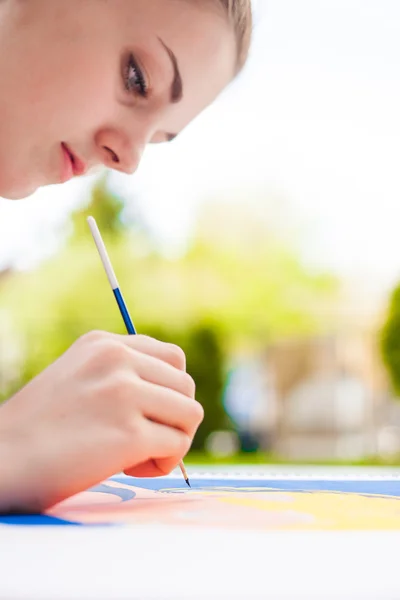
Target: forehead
[198, 33]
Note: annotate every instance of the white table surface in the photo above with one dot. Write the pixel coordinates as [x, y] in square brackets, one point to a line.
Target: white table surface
[153, 561]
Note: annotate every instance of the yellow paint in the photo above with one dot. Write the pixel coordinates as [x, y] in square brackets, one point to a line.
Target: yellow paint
[328, 510]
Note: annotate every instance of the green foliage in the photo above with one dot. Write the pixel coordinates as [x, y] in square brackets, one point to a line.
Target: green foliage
[235, 283]
[106, 207]
[205, 361]
[390, 340]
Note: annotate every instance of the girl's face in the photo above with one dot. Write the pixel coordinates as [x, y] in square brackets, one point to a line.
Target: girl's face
[101, 79]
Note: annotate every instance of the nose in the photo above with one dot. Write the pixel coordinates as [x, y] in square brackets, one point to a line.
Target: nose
[118, 151]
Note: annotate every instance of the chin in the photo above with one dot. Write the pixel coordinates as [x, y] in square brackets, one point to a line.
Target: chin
[16, 194]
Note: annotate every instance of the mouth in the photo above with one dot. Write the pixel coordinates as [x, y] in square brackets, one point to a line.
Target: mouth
[73, 166]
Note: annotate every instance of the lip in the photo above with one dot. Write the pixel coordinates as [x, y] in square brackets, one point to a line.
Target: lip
[73, 166]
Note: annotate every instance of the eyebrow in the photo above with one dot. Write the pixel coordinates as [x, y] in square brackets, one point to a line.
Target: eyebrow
[176, 93]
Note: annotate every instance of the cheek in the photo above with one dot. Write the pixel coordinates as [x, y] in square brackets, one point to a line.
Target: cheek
[69, 97]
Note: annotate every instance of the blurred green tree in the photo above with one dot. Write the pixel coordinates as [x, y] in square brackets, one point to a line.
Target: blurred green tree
[390, 340]
[237, 282]
[105, 206]
[206, 363]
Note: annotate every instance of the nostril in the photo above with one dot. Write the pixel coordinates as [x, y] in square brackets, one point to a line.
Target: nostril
[114, 157]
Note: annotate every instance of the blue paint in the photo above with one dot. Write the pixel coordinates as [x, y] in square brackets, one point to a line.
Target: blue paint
[380, 487]
[35, 520]
[388, 488]
[122, 493]
[42, 520]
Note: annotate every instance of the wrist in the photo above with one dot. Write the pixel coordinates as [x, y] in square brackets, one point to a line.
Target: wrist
[15, 488]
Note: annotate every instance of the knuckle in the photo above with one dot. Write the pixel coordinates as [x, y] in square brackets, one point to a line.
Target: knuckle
[142, 336]
[110, 353]
[176, 356]
[123, 389]
[133, 429]
[198, 412]
[122, 383]
[118, 392]
[140, 341]
[188, 385]
[184, 444]
[102, 353]
[115, 387]
[137, 360]
[92, 337]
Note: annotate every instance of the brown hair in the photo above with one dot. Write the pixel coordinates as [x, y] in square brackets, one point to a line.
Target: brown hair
[240, 14]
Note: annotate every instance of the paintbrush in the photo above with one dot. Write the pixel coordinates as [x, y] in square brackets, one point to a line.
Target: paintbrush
[118, 295]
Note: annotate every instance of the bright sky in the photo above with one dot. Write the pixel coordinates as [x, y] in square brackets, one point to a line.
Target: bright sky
[314, 119]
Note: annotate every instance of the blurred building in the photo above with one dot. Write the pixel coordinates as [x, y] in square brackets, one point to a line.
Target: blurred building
[333, 397]
[250, 401]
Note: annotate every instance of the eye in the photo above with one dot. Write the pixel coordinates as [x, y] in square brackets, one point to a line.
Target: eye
[133, 78]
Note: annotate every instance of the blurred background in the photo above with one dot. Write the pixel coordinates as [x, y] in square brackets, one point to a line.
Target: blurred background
[264, 241]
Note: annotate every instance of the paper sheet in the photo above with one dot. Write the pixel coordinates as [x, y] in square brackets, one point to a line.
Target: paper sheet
[249, 537]
[248, 503]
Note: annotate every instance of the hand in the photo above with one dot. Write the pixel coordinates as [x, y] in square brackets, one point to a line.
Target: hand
[111, 403]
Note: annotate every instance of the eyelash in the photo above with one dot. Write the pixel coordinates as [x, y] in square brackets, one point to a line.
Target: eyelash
[139, 84]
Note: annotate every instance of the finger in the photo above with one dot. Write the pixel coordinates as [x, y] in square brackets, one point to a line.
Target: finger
[156, 371]
[167, 407]
[169, 353]
[167, 446]
[152, 468]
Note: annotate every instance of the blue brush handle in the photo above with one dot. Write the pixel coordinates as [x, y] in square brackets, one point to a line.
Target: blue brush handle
[124, 312]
